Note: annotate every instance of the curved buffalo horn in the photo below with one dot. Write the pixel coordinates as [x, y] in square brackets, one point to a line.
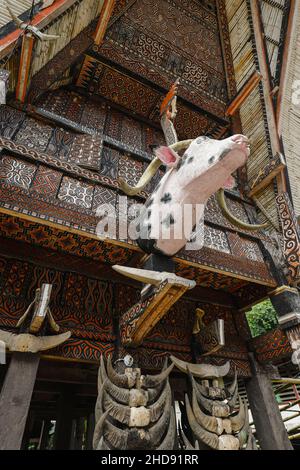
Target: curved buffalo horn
[121, 395]
[144, 180]
[42, 36]
[169, 440]
[98, 433]
[157, 408]
[210, 423]
[188, 445]
[232, 400]
[152, 381]
[243, 434]
[117, 438]
[201, 434]
[120, 413]
[232, 387]
[238, 421]
[203, 371]
[25, 342]
[234, 220]
[120, 380]
[251, 443]
[206, 403]
[101, 373]
[102, 445]
[99, 403]
[14, 18]
[159, 428]
[151, 171]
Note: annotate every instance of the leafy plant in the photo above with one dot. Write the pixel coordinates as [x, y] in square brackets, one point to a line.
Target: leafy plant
[262, 318]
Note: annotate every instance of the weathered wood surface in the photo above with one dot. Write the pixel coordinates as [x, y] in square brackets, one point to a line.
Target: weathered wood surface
[15, 399]
[270, 429]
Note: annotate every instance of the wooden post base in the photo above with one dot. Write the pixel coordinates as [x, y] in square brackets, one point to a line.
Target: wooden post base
[270, 429]
[15, 399]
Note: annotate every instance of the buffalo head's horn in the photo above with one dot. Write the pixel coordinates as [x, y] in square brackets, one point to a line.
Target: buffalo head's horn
[98, 433]
[151, 171]
[210, 423]
[168, 442]
[202, 371]
[14, 17]
[234, 220]
[153, 381]
[238, 420]
[188, 445]
[208, 438]
[120, 380]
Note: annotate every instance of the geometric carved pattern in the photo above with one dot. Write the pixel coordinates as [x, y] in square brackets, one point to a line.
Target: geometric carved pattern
[216, 239]
[46, 181]
[76, 192]
[109, 163]
[183, 40]
[271, 346]
[86, 149]
[291, 236]
[16, 171]
[34, 134]
[104, 195]
[130, 170]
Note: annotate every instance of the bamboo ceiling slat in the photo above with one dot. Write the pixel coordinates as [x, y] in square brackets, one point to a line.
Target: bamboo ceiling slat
[291, 117]
[18, 7]
[272, 18]
[67, 26]
[252, 112]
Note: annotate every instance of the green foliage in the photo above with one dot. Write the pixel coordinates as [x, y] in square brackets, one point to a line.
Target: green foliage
[262, 318]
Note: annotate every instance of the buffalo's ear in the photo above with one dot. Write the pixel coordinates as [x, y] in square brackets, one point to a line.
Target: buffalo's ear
[229, 183]
[167, 156]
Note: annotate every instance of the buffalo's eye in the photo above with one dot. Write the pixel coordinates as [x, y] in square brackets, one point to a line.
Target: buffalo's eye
[211, 160]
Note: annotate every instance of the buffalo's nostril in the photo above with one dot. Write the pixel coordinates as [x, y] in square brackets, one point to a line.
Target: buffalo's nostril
[240, 139]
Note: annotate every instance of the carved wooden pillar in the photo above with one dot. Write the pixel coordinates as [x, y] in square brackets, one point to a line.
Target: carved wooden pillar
[270, 429]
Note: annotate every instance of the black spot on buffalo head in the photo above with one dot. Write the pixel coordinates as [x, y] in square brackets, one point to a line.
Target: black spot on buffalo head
[169, 220]
[166, 198]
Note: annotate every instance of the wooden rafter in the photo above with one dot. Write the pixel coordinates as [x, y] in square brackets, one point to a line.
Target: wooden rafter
[24, 67]
[267, 88]
[104, 18]
[284, 66]
[243, 94]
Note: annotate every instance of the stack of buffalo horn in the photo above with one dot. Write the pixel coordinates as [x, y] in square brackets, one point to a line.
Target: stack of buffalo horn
[217, 416]
[134, 411]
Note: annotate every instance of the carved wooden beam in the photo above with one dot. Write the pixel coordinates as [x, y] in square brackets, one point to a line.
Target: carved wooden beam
[140, 319]
[24, 68]
[291, 236]
[266, 174]
[243, 94]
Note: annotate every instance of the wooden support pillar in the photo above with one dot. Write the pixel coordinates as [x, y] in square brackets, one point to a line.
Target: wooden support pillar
[15, 399]
[270, 429]
[90, 431]
[65, 410]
